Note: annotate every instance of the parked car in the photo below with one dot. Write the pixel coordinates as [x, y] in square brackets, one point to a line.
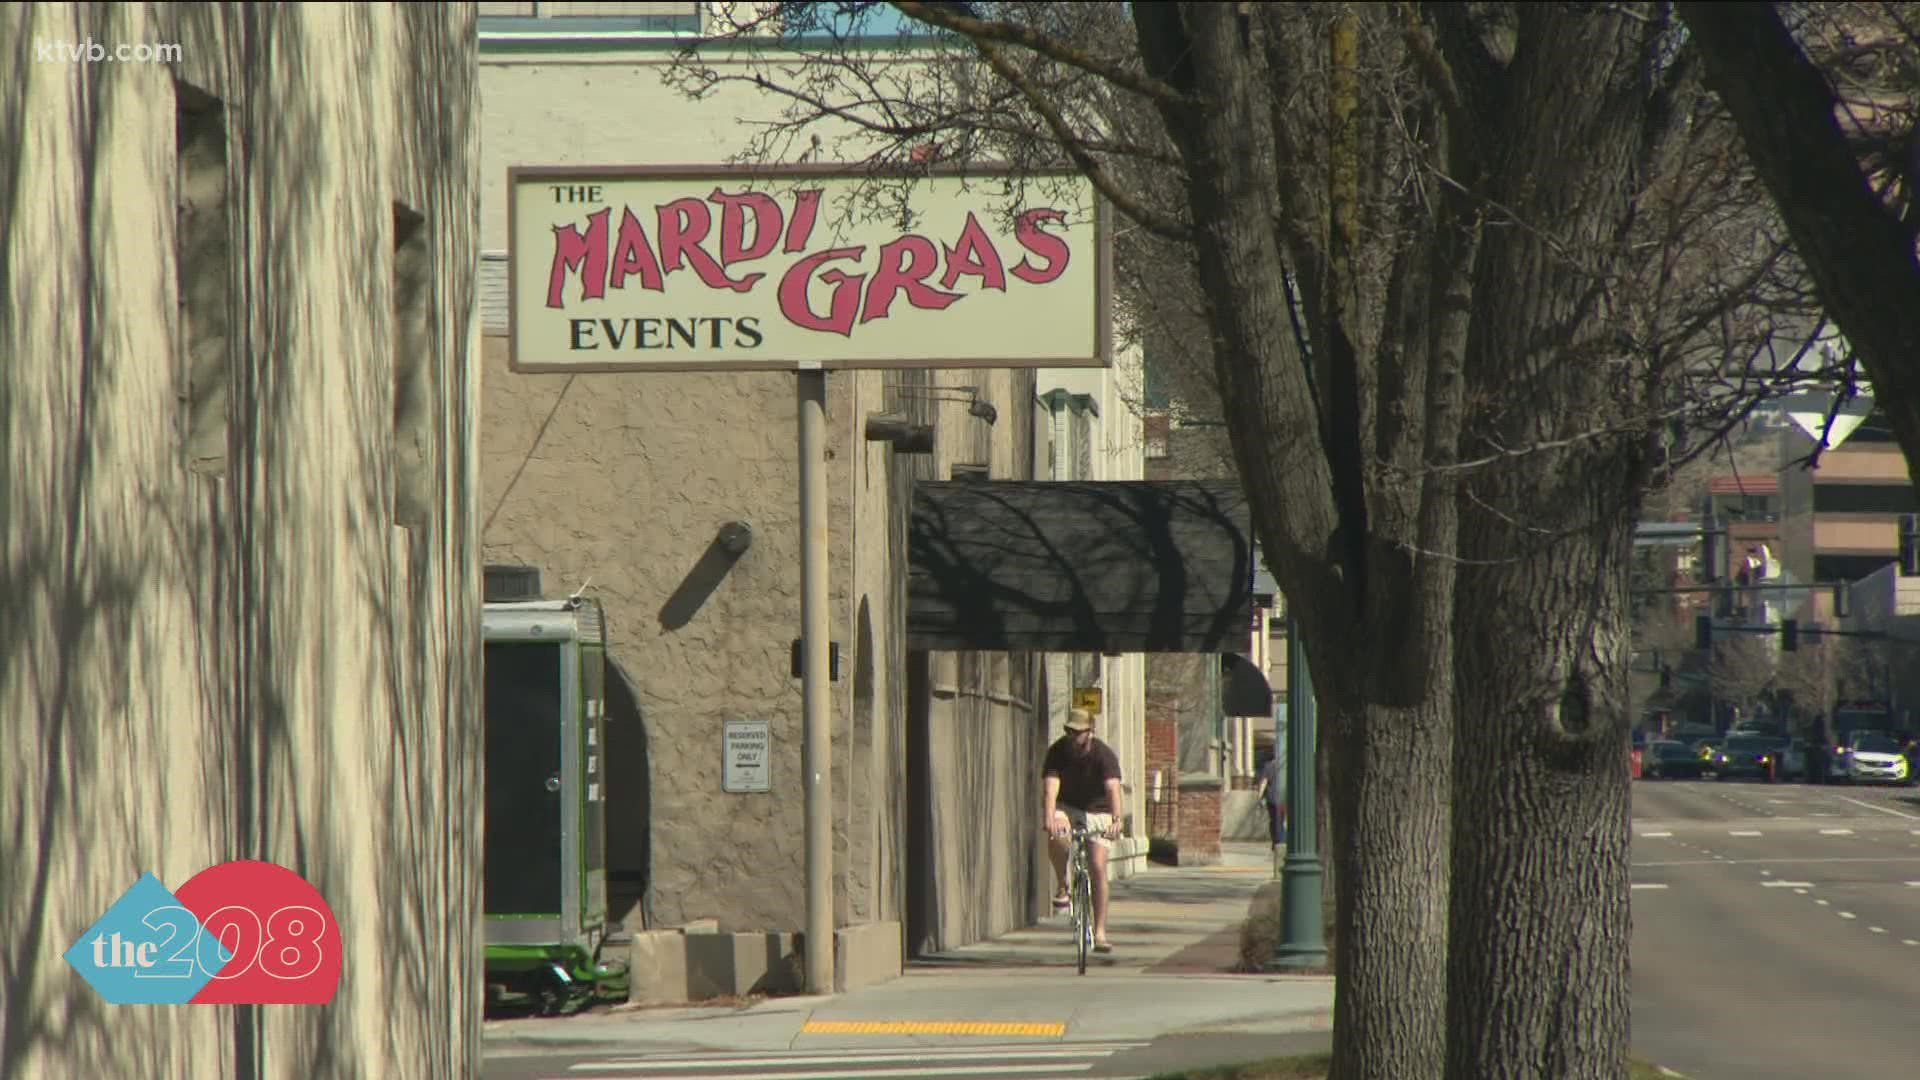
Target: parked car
[1793, 759]
[1746, 755]
[1873, 757]
[1669, 760]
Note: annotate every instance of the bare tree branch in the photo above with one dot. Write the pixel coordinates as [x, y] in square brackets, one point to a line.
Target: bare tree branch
[954, 18]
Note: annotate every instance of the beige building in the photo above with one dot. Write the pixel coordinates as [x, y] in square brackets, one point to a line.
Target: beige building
[1841, 521]
[237, 538]
[622, 482]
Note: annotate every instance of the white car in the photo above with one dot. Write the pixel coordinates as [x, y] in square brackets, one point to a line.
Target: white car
[1874, 758]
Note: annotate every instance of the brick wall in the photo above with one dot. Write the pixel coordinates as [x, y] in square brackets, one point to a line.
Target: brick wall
[1162, 723]
[1199, 823]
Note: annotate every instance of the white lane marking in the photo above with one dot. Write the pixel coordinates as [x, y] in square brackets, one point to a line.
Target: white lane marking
[1648, 885]
[1822, 903]
[1646, 835]
[1877, 806]
[1909, 941]
[1766, 873]
[1836, 832]
[1799, 892]
[1786, 884]
[1846, 914]
[1878, 929]
[1745, 832]
[1913, 884]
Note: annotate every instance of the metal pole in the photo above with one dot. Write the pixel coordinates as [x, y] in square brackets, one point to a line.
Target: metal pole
[1301, 944]
[817, 716]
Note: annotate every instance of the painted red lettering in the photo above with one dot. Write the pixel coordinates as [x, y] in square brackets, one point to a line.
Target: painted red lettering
[584, 255]
[905, 265]
[974, 254]
[806, 209]
[794, 286]
[1027, 231]
[767, 222]
[684, 224]
[632, 254]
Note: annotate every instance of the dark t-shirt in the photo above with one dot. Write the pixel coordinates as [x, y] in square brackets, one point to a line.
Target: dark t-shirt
[1083, 779]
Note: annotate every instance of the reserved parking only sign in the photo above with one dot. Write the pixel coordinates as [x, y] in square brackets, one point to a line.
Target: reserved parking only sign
[747, 766]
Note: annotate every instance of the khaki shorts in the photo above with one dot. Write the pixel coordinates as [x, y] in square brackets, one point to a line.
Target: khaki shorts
[1097, 824]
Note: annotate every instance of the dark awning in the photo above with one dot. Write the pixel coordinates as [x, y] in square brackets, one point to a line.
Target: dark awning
[1051, 566]
[1243, 688]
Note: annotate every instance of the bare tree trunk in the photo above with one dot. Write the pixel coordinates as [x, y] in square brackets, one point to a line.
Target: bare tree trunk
[1379, 626]
[1538, 986]
[1537, 975]
[1389, 864]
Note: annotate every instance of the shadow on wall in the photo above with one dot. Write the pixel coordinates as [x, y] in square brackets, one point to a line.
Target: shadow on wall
[238, 564]
[629, 832]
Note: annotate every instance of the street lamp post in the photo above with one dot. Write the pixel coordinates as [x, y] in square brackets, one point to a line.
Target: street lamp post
[1302, 945]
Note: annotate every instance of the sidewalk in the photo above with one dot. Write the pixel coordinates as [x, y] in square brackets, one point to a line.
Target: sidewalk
[1175, 933]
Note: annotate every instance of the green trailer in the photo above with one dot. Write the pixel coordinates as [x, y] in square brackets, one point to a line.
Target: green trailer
[545, 876]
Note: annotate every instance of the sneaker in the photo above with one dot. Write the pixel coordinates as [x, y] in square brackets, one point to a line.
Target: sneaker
[1103, 946]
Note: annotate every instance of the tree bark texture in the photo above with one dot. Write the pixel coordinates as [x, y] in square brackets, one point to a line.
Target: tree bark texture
[1362, 559]
[1389, 866]
[1537, 972]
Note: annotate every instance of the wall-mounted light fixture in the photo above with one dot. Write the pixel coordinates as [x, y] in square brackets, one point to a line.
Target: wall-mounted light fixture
[970, 395]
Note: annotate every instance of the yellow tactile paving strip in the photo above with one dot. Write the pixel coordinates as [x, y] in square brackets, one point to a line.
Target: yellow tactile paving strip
[930, 1027]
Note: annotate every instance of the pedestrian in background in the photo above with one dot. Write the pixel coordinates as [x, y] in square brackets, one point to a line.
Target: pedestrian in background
[1268, 792]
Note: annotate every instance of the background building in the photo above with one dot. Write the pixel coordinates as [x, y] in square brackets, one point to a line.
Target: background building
[1840, 521]
[621, 483]
[237, 538]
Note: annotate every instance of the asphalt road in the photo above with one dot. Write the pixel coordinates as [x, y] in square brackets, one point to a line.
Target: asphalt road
[1776, 930]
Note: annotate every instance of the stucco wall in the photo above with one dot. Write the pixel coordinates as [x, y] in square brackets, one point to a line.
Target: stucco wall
[623, 481]
[250, 658]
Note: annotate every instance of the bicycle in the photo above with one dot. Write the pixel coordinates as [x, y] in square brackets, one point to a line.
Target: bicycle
[1080, 891]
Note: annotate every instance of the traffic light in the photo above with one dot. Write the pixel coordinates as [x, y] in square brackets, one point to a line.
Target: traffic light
[1709, 548]
[1789, 635]
[1703, 632]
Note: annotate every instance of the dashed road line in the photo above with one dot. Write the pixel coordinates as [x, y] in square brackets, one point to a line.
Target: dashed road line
[1649, 885]
[1651, 835]
[1877, 806]
[1836, 832]
[1821, 902]
[1786, 884]
[1744, 832]
[1878, 929]
[1846, 914]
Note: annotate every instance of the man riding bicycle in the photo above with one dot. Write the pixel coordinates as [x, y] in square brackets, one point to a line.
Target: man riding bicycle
[1081, 778]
